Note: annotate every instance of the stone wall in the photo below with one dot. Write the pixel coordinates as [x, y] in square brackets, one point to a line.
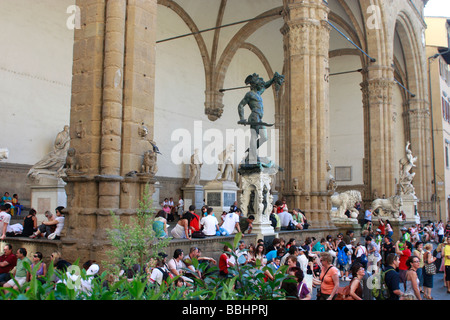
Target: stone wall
[13, 179]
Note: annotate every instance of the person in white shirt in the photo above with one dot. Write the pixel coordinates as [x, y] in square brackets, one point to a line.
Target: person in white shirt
[157, 273]
[58, 221]
[286, 219]
[5, 218]
[176, 265]
[180, 207]
[302, 260]
[230, 222]
[242, 253]
[210, 223]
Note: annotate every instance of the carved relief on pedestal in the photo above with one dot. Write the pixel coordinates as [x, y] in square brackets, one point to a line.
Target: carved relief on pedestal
[256, 194]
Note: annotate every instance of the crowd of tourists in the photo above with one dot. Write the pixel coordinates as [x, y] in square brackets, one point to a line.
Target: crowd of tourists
[340, 267]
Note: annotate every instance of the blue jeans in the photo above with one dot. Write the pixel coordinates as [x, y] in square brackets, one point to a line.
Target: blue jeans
[4, 277]
[419, 272]
[222, 232]
[390, 233]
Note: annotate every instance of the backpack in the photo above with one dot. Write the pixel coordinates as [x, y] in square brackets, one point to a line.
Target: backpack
[363, 258]
[380, 290]
[165, 273]
[273, 221]
[342, 258]
[343, 293]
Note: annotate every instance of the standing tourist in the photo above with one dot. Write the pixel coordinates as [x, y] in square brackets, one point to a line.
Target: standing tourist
[418, 251]
[446, 256]
[412, 291]
[428, 259]
[404, 256]
[391, 277]
[328, 279]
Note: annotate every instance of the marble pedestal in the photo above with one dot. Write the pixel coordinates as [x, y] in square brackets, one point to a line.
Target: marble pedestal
[256, 198]
[220, 195]
[409, 207]
[47, 193]
[193, 194]
[155, 197]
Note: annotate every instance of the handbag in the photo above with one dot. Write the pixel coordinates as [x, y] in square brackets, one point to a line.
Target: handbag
[343, 293]
[198, 234]
[52, 236]
[430, 269]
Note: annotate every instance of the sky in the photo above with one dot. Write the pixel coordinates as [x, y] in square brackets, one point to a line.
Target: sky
[438, 8]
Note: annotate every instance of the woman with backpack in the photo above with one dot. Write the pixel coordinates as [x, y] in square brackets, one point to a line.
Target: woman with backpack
[343, 260]
[353, 291]
[361, 255]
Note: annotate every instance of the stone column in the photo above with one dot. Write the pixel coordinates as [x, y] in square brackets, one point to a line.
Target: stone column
[306, 38]
[420, 136]
[380, 163]
[112, 108]
[112, 98]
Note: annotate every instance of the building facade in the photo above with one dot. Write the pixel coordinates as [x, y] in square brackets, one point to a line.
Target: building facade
[438, 63]
[355, 93]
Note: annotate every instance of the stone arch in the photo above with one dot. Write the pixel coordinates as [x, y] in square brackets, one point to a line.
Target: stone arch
[416, 114]
[215, 74]
[411, 48]
[194, 29]
[227, 56]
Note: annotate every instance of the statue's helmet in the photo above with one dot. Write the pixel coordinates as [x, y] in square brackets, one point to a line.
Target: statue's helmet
[252, 79]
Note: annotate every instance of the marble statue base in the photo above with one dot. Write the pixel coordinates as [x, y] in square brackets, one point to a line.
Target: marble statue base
[256, 198]
[409, 207]
[156, 205]
[193, 194]
[220, 195]
[47, 193]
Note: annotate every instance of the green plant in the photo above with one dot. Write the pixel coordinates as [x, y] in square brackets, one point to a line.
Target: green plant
[134, 243]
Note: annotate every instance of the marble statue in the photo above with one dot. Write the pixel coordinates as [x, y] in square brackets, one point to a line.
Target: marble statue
[331, 181]
[149, 165]
[226, 166]
[4, 153]
[72, 160]
[405, 176]
[387, 207]
[346, 201]
[254, 100]
[194, 169]
[53, 162]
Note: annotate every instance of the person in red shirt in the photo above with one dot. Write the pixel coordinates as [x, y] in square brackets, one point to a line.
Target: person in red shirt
[7, 262]
[195, 222]
[224, 262]
[382, 227]
[404, 255]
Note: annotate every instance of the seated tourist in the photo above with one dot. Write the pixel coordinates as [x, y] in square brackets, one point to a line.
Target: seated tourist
[46, 226]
